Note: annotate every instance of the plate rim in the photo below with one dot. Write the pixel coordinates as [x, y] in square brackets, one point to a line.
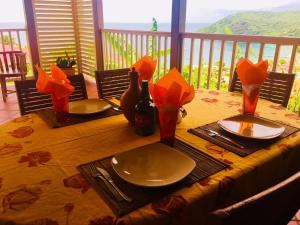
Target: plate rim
[257, 138]
[90, 99]
[154, 186]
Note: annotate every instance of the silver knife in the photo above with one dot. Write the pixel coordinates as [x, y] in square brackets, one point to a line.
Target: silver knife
[225, 138]
[110, 180]
[110, 188]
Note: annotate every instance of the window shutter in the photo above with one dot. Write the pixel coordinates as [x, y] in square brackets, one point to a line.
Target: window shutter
[65, 25]
[86, 36]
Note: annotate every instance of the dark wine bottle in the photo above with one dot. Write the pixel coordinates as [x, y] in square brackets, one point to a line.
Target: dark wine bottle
[144, 113]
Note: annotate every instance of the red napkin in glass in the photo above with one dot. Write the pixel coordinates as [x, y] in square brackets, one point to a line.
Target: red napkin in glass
[145, 67]
[169, 94]
[250, 73]
[171, 91]
[58, 84]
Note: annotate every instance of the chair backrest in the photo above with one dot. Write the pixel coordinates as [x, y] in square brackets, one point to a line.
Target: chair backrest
[274, 206]
[112, 83]
[31, 100]
[276, 88]
[13, 61]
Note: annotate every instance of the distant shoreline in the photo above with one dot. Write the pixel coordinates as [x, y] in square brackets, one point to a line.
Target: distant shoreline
[190, 27]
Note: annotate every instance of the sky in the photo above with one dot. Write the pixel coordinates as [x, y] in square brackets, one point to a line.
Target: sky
[144, 10]
[197, 10]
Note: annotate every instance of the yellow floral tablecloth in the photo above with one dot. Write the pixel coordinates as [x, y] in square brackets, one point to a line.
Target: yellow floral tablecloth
[39, 182]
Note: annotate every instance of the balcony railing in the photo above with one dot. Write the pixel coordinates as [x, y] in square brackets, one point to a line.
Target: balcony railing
[16, 40]
[13, 39]
[123, 47]
[205, 56]
[214, 56]
[208, 60]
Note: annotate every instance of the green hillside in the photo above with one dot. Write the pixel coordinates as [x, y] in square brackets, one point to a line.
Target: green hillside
[258, 23]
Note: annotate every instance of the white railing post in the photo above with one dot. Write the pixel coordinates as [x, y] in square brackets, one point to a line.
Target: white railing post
[178, 27]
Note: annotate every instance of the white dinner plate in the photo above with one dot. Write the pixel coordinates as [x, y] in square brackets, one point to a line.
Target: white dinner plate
[153, 165]
[88, 106]
[252, 127]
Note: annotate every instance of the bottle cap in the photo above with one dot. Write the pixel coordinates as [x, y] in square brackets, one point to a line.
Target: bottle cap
[133, 72]
[144, 83]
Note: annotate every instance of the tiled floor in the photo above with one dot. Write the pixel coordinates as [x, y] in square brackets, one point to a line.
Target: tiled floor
[10, 110]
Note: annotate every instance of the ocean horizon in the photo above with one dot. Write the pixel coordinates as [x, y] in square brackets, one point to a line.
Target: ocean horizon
[190, 27]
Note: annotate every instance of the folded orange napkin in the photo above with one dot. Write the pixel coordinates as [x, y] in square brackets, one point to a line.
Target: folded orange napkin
[58, 85]
[171, 91]
[252, 74]
[145, 67]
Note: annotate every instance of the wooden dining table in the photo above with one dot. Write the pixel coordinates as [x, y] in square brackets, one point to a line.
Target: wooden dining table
[40, 182]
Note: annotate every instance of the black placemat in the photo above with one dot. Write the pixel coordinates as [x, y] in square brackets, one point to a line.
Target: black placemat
[205, 166]
[48, 115]
[250, 145]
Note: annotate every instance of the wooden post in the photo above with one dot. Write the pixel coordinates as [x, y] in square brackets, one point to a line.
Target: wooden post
[178, 27]
[31, 33]
[98, 26]
[76, 35]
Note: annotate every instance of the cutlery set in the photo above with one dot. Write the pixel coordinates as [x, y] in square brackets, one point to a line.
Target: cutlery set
[104, 176]
[213, 133]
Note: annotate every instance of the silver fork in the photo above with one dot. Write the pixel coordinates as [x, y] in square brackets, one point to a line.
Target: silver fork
[213, 133]
[97, 175]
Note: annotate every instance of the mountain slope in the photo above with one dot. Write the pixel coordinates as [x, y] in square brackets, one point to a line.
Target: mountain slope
[259, 23]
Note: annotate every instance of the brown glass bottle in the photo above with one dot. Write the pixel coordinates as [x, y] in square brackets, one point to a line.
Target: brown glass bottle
[144, 113]
[131, 96]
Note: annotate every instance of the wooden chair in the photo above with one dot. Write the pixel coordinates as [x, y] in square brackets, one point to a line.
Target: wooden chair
[31, 100]
[112, 83]
[274, 206]
[276, 88]
[12, 64]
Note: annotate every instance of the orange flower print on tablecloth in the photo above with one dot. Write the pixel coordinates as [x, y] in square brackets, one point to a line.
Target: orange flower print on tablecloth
[104, 220]
[292, 116]
[214, 148]
[45, 182]
[22, 132]
[224, 189]
[21, 199]
[277, 107]
[44, 221]
[69, 207]
[23, 119]
[78, 182]
[205, 181]
[214, 92]
[228, 162]
[36, 158]
[209, 100]
[233, 103]
[169, 205]
[284, 146]
[10, 149]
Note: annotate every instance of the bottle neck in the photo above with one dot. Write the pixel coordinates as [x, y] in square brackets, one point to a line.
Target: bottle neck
[145, 91]
[134, 80]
